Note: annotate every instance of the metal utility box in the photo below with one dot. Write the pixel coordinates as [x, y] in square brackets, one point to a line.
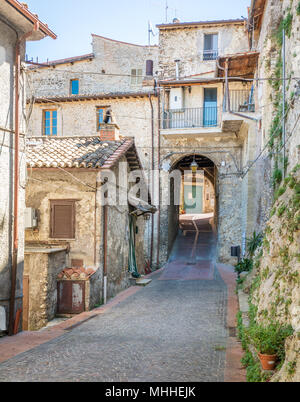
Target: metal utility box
[30, 218]
[176, 99]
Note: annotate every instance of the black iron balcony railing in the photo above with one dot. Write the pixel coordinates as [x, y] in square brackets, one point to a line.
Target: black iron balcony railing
[192, 118]
[242, 101]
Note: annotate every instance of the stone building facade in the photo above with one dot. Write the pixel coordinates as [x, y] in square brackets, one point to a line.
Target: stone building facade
[185, 73]
[204, 114]
[17, 25]
[71, 170]
[113, 77]
[113, 66]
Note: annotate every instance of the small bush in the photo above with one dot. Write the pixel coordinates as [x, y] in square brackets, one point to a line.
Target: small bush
[270, 340]
[277, 177]
[254, 243]
[245, 265]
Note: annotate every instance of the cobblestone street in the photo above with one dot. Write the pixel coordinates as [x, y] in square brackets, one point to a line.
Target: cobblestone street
[172, 330]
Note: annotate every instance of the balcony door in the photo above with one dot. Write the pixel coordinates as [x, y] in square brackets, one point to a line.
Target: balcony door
[210, 113]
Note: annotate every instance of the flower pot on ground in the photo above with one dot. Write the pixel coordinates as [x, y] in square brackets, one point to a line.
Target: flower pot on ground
[268, 362]
[269, 343]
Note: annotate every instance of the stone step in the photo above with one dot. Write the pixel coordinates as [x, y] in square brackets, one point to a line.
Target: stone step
[143, 282]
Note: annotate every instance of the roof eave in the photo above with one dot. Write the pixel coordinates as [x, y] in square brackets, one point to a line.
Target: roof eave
[43, 28]
[200, 23]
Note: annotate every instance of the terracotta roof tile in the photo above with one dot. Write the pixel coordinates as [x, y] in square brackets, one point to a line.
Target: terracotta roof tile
[75, 152]
[75, 274]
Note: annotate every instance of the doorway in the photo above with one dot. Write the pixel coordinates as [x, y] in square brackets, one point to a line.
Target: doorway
[210, 113]
[198, 209]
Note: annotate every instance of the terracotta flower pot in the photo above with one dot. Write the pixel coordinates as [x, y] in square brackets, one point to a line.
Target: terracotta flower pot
[268, 362]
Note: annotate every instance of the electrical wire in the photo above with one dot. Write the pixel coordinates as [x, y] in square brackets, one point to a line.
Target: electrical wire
[279, 126]
[169, 78]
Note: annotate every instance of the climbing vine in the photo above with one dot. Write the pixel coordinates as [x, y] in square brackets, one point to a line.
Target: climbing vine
[276, 134]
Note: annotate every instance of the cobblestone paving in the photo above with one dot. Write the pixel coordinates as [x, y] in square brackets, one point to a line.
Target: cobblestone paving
[170, 331]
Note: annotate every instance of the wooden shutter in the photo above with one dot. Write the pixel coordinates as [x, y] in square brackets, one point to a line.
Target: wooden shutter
[63, 219]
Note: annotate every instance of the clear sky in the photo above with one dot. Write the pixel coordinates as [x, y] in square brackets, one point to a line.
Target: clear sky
[74, 21]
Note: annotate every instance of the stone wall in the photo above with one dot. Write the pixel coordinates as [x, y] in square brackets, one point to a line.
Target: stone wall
[133, 116]
[7, 46]
[118, 242]
[173, 46]
[108, 71]
[274, 283]
[229, 188]
[44, 185]
[43, 267]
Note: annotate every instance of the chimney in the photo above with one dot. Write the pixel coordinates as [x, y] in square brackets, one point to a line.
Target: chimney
[109, 130]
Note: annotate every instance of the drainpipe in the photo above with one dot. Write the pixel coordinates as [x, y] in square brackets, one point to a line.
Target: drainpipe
[105, 254]
[152, 173]
[158, 163]
[14, 267]
[177, 69]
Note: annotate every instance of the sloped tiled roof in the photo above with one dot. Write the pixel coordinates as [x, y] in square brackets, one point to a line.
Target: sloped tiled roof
[76, 274]
[52, 63]
[75, 152]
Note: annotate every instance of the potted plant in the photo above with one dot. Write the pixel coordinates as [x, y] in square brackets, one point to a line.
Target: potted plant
[269, 343]
[264, 340]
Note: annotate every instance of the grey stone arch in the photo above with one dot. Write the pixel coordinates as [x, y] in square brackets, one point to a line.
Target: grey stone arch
[170, 213]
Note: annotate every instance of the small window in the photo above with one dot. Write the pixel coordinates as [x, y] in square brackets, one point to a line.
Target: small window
[62, 222]
[136, 76]
[101, 113]
[211, 43]
[74, 87]
[50, 123]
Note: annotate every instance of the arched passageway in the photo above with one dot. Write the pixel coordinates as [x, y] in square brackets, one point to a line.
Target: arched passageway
[193, 209]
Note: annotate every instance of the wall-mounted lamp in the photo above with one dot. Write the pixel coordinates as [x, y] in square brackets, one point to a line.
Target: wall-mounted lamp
[194, 165]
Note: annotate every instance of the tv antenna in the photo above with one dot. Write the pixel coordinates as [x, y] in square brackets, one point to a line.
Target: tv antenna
[167, 8]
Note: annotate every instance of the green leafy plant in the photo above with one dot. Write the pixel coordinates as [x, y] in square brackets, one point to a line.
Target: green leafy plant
[291, 367]
[254, 243]
[277, 177]
[269, 340]
[245, 265]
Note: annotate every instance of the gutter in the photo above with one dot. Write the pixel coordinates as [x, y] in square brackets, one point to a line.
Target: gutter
[152, 167]
[159, 182]
[14, 267]
[105, 218]
[32, 18]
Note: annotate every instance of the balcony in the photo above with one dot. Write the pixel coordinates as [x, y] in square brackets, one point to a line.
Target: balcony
[192, 118]
[242, 101]
[210, 55]
[193, 121]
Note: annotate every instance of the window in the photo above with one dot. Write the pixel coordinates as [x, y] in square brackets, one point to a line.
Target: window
[101, 112]
[50, 122]
[136, 76]
[74, 87]
[62, 220]
[211, 47]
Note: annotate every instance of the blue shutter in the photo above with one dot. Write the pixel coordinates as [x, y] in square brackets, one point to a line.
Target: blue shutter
[75, 87]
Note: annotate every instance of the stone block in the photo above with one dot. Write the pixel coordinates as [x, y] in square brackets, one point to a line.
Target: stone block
[3, 326]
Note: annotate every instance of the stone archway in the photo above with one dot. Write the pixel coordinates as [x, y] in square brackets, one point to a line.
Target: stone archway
[206, 194]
